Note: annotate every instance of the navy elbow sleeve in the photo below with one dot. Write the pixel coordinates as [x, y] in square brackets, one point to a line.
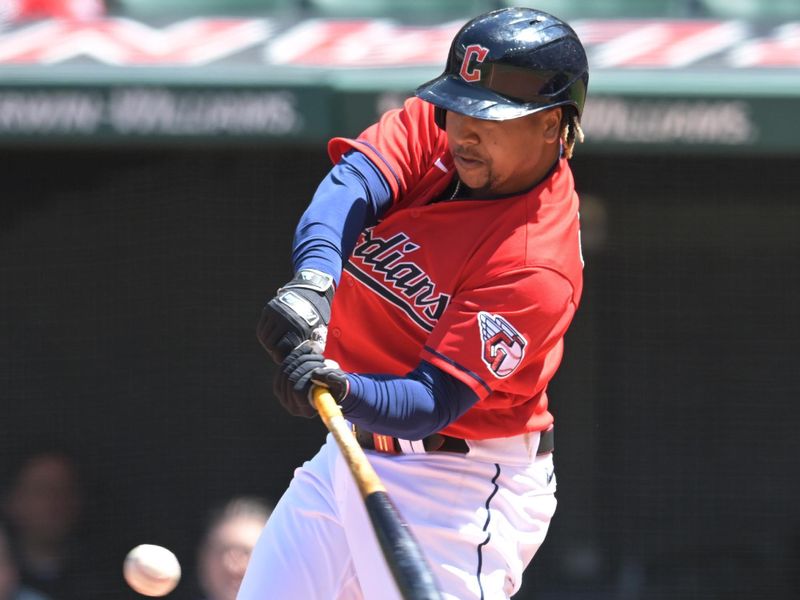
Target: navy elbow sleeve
[411, 407]
[351, 197]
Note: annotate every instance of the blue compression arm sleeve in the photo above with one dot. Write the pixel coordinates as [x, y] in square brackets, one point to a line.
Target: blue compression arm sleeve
[352, 196]
[411, 407]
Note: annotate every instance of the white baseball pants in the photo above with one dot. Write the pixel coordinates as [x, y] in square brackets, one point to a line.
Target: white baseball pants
[479, 519]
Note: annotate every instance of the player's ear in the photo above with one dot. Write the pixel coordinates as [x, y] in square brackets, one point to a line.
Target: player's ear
[551, 123]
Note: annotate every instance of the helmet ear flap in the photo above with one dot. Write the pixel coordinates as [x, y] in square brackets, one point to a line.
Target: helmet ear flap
[439, 117]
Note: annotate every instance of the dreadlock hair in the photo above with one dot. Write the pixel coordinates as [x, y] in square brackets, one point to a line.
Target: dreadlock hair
[571, 131]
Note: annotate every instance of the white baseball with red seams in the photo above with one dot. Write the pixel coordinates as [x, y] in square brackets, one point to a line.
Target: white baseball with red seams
[151, 570]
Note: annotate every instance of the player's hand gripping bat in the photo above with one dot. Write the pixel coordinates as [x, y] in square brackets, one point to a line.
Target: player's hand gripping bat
[411, 572]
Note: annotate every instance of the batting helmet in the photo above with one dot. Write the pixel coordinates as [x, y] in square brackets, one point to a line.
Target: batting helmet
[509, 63]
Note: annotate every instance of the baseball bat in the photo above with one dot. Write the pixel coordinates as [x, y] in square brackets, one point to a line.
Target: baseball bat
[402, 552]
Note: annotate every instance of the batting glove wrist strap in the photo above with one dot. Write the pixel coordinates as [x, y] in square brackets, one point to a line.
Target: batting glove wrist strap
[311, 279]
[299, 307]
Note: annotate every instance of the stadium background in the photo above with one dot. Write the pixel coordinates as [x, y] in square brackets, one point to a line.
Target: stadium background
[136, 251]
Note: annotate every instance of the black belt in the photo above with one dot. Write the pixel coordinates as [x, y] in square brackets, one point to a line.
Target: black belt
[436, 442]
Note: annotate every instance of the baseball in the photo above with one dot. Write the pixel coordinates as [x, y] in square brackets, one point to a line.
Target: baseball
[151, 570]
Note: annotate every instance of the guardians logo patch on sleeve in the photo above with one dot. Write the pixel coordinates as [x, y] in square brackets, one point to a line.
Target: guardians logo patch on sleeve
[503, 346]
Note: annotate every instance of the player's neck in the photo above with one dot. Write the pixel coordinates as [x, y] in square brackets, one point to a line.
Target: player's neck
[547, 163]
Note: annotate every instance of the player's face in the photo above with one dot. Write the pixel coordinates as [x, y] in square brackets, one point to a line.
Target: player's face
[504, 157]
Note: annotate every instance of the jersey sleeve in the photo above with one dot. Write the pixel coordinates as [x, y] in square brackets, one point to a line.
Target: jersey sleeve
[401, 144]
[505, 339]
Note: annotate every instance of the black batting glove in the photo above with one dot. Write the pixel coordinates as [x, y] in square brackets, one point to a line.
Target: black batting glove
[303, 368]
[297, 309]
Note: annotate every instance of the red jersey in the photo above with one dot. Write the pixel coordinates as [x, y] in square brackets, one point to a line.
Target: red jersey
[483, 289]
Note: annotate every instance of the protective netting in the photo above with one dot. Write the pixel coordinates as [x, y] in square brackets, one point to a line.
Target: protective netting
[131, 282]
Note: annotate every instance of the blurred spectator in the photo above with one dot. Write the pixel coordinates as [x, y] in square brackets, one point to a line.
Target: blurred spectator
[10, 588]
[43, 504]
[231, 534]
[22, 10]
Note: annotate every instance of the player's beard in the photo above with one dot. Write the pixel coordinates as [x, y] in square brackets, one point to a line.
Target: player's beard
[485, 191]
[481, 186]
[481, 178]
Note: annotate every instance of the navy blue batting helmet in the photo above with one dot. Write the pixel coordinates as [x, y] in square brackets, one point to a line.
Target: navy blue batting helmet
[509, 63]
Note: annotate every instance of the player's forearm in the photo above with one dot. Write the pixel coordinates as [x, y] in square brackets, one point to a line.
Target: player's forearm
[351, 197]
[410, 407]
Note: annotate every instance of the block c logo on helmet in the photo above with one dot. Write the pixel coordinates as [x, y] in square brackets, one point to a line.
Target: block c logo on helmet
[479, 53]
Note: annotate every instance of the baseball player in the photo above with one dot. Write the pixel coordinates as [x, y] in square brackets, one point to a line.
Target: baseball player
[442, 251]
